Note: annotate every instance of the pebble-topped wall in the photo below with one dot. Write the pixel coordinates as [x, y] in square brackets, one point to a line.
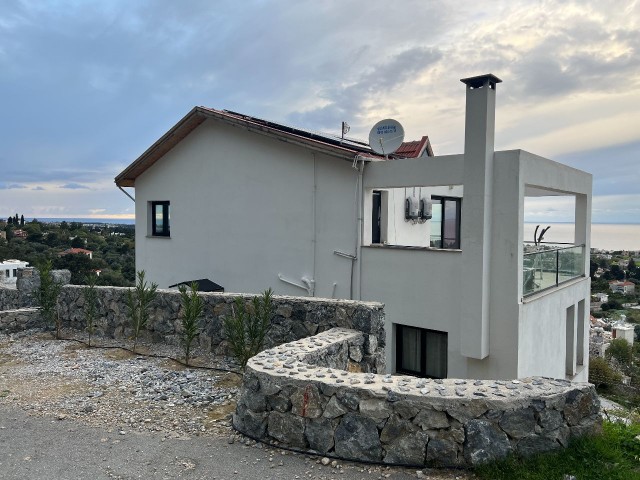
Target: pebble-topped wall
[311, 395]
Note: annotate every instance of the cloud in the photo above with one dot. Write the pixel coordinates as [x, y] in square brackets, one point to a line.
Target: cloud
[95, 211]
[366, 93]
[38, 188]
[74, 186]
[12, 186]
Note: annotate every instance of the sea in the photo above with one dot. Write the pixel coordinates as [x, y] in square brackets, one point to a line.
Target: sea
[604, 236]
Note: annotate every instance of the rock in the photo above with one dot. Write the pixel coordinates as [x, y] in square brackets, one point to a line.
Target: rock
[394, 428]
[443, 452]
[306, 402]
[288, 429]
[357, 438]
[485, 443]
[325, 461]
[408, 448]
[431, 419]
[534, 444]
[334, 408]
[319, 434]
[375, 408]
[518, 423]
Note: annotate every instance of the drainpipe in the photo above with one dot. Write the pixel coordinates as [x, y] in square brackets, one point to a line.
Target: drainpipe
[356, 270]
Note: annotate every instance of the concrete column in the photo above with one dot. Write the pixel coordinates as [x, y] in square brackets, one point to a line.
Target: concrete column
[476, 219]
[582, 234]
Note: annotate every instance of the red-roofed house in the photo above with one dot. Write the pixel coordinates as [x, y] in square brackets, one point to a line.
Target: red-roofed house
[414, 149]
[623, 286]
[75, 251]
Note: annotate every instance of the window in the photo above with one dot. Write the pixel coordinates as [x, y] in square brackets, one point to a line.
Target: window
[421, 352]
[445, 222]
[15, 272]
[160, 219]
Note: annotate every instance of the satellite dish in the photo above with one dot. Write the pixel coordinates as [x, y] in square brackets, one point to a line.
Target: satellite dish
[386, 136]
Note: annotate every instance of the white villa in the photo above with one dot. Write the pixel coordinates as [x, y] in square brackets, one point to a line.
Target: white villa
[9, 271]
[252, 204]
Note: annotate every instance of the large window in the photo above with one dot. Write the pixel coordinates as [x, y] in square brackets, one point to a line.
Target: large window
[421, 352]
[445, 222]
[160, 219]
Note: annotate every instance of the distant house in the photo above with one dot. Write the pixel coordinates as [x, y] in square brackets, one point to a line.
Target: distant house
[19, 233]
[3, 234]
[601, 297]
[251, 204]
[9, 270]
[76, 251]
[622, 286]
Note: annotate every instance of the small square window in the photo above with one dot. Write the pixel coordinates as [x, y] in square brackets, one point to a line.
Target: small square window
[421, 352]
[160, 219]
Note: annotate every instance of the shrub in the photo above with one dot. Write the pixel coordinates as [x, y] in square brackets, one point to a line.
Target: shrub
[601, 374]
[247, 326]
[139, 300]
[192, 306]
[621, 351]
[47, 296]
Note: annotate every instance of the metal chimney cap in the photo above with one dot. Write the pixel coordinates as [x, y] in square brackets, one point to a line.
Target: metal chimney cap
[481, 80]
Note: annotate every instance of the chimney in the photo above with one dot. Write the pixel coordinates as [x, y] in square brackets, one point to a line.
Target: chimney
[477, 214]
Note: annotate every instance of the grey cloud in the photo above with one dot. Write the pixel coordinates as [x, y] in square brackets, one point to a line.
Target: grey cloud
[349, 101]
[38, 188]
[11, 186]
[74, 186]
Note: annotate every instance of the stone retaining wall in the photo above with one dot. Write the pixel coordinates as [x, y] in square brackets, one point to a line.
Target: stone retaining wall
[295, 317]
[307, 395]
[12, 321]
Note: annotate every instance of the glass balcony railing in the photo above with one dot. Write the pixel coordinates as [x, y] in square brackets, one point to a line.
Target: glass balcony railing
[550, 267]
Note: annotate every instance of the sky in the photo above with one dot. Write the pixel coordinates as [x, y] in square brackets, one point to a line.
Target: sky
[87, 86]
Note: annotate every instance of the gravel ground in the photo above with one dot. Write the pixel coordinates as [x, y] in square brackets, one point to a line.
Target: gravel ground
[123, 393]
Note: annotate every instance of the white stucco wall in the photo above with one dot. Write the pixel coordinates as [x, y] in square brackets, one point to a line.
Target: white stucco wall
[243, 210]
[542, 331]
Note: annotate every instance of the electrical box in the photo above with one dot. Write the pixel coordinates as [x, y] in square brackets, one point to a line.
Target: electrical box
[411, 209]
[426, 208]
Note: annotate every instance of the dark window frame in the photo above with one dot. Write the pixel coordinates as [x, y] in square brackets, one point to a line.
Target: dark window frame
[458, 202]
[165, 231]
[424, 332]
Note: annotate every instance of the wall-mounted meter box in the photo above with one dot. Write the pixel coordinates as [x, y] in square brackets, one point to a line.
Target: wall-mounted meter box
[426, 208]
[411, 209]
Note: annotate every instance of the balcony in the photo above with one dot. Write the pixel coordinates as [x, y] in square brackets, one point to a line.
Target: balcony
[547, 266]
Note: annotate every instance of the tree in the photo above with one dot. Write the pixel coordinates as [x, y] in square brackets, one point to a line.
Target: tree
[616, 272]
[16, 220]
[22, 220]
[601, 374]
[47, 296]
[620, 349]
[10, 220]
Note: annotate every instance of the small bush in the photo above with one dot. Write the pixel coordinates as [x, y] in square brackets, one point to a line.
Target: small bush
[247, 326]
[47, 296]
[90, 304]
[602, 375]
[139, 300]
[192, 306]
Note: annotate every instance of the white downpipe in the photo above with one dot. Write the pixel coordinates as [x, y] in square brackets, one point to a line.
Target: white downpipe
[314, 240]
[356, 282]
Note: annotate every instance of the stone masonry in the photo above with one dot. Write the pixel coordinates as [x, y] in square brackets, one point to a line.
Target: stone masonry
[313, 395]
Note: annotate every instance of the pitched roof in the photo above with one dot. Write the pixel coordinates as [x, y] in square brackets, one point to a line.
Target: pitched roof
[414, 149]
[76, 250]
[324, 143]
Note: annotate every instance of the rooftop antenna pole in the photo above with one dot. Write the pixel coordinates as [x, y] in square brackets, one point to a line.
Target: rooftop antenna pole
[345, 130]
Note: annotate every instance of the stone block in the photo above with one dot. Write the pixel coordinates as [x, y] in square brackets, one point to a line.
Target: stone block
[357, 438]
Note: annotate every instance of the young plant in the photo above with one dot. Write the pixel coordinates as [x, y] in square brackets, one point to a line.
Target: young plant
[139, 300]
[192, 306]
[90, 304]
[247, 326]
[47, 296]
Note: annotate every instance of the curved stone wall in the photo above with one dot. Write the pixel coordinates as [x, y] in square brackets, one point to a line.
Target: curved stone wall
[309, 395]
